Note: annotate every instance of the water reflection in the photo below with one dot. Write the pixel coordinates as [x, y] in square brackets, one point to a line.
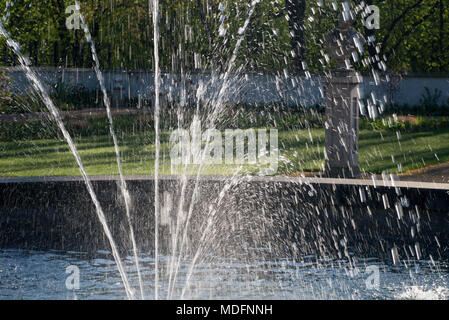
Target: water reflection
[28, 274]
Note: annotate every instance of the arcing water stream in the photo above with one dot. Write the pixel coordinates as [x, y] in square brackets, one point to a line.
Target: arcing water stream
[182, 228]
[157, 76]
[107, 104]
[217, 104]
[179, 270]
[37, 85]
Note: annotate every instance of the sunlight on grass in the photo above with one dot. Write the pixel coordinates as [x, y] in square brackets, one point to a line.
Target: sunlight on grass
[300, 151]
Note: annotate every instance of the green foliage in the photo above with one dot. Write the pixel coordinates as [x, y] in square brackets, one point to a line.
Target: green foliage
[414, 34]
[26, 102]
[430, 99]
[78, 126]
[5, 93]
[66, 97]
[75, 97]
[26, 130]
[417, 124]
[427, 108]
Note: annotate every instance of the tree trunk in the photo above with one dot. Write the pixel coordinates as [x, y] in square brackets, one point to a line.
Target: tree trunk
[441, 37]
[55, 53]
[296, 10]
[62, 32]
[75, 51]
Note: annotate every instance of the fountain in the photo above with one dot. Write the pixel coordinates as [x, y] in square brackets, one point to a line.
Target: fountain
[184, 235]
[55, 113]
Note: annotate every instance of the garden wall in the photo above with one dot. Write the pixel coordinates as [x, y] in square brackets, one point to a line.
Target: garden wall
[246, 88]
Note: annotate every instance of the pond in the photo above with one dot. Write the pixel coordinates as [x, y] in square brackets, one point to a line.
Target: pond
[26, 274]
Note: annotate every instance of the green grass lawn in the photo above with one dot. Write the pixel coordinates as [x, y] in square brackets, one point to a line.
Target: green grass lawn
[300, 151]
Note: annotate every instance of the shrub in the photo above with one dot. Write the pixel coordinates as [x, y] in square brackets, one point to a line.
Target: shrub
[75, 97]
[413, 124]
[80, 126]
[430, 100]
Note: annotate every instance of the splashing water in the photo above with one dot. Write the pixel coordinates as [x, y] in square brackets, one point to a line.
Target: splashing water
[421, 293]
[157, 76]
[123, 186]
[180, 271]
[37, 85]
[217, 103]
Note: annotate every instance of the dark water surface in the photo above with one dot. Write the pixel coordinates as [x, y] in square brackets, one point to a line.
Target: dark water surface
[26, 274]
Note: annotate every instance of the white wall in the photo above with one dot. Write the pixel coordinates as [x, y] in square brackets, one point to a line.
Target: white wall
[249, 88]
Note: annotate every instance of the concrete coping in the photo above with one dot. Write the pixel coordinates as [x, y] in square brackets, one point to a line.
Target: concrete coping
[215, 178]
[208, 72]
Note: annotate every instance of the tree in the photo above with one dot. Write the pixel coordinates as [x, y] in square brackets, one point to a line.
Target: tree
[413, 37]
[296, 10]
[282, 34]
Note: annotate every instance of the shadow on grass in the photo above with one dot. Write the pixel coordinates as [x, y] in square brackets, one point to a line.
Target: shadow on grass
[137, 152]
